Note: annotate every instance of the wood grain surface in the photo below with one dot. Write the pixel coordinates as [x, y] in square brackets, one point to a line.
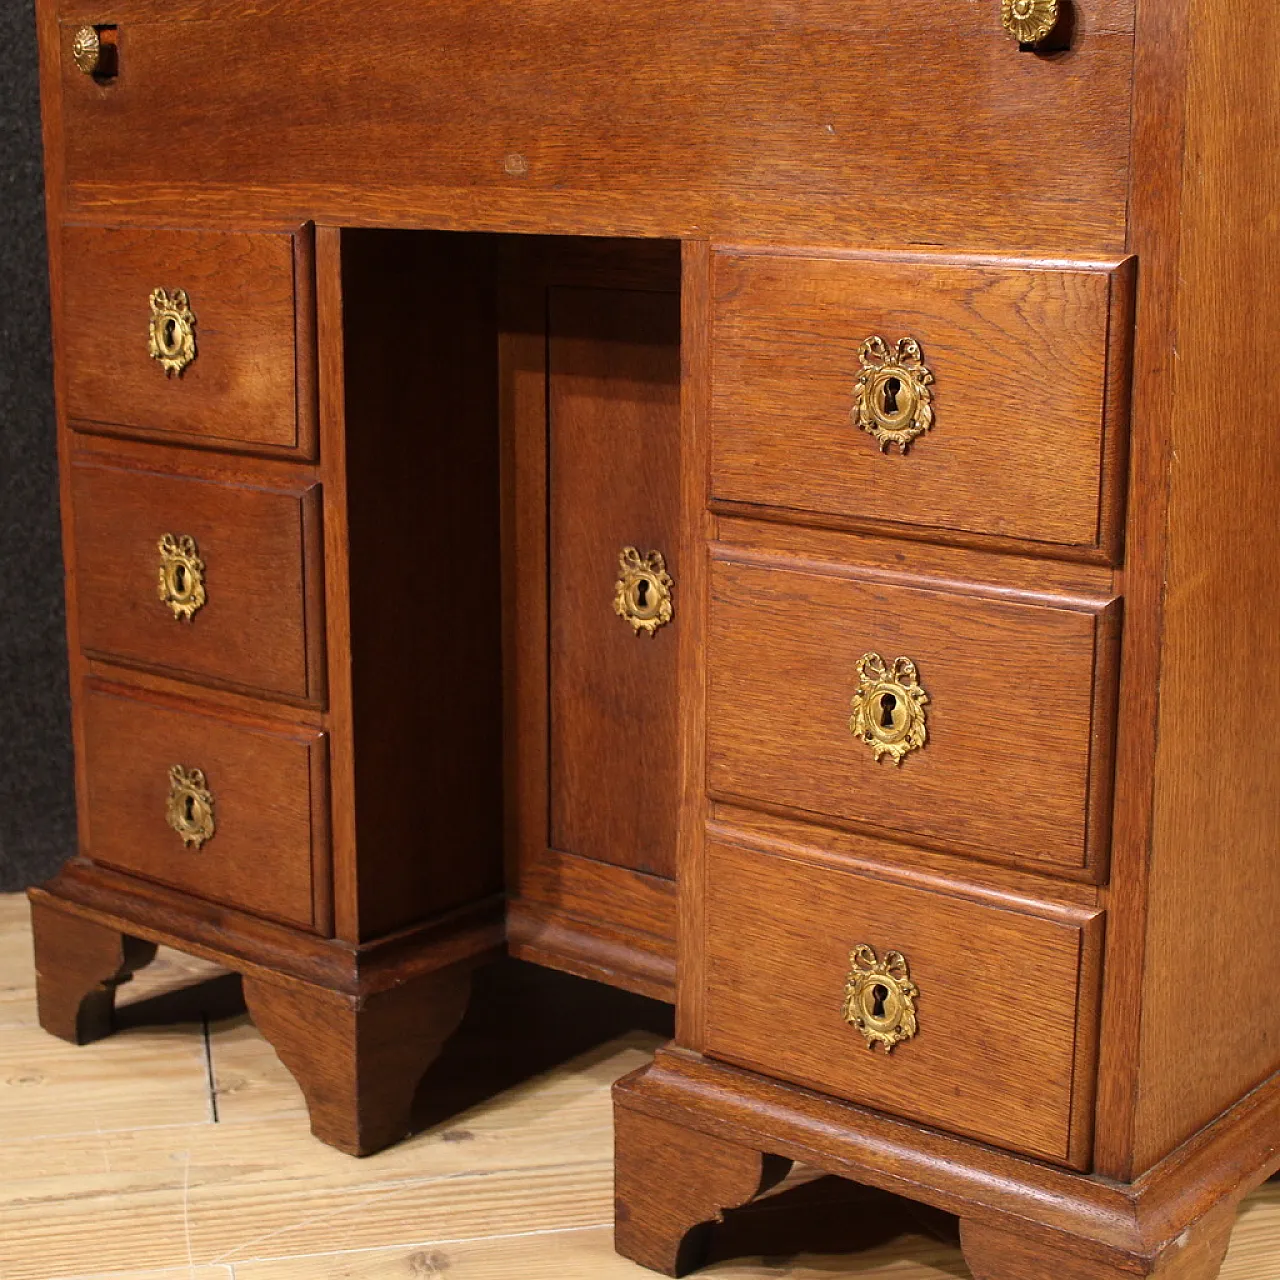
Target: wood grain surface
[240, 391]
[1009, 760]
[1214, 887]
[613, 387]
[419, 437]
[1002, 1003]
[269, 851]
[181, 1152]
[641, 118]
[589, 351]
[1024, 422]
[257, 630]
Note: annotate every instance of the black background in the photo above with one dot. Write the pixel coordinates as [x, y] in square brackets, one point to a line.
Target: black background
[37, 820]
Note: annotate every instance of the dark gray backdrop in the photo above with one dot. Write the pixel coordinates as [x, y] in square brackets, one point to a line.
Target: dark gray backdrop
[36, 808]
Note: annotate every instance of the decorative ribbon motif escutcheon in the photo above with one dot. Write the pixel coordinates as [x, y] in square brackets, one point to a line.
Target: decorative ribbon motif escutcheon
[642, 594]
[181, 584]
[1030, 21]
[189, 810]
[888, 708]
[893, 401]
[173, 330]
[880, 998]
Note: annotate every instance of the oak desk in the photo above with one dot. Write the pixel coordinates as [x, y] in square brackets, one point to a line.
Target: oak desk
[769, 508]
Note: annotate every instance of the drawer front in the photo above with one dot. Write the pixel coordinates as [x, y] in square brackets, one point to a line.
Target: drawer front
[250, 616]
[1024, 402]
[268, 851]
[247, 307]
[1016, 759]
[832, 120]
[1005, 1006]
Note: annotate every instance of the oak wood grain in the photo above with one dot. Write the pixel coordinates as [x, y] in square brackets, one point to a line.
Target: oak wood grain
[270, 843]
[1025, 421]
[1214, 892]
[699, 123]
[254, 630]
[1002, 994]
[358, 1062]
[423, 559]
[240, 391]
[1008, 764]
[613, 384]
[79, 965]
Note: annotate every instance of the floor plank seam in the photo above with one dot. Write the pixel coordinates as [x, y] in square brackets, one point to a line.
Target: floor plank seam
[208, 1067]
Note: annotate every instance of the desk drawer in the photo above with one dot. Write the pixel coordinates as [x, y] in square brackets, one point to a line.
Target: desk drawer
[1005, 1006]
[812, 122]
[145, 764]
[239, 567]
[1016, 757]
[243, 380]
[1025, 391]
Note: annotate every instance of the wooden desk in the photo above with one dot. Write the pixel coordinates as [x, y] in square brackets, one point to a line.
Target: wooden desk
[766, 508]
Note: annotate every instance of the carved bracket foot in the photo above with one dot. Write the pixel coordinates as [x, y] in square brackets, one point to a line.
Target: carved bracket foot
[79, 965]
[672, 1184]
[358, 1060]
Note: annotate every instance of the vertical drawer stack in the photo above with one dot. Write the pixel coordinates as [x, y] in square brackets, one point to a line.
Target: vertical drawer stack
[196, 564]
[916, 469]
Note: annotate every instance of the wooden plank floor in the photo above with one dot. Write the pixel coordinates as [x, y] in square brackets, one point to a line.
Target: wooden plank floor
[178, 1149]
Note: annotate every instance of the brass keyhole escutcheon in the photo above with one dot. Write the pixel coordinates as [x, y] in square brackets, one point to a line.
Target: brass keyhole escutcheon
[172, 332]
[189, 809]
[1030, 21]
[181, 584]
[642, 593]
[879, 997]
[888, 707]
[892, 400]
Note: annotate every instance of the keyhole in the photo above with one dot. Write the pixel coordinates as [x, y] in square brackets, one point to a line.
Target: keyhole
[180, 579]
[191, 809]
[888, 705]
[878, 996]
[891, 389]
[170, 332]
[642, 593]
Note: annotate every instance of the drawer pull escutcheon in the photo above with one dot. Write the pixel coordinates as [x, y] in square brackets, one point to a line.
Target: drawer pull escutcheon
[86, 49]
[173, 330]
[880, 998]
[888, 708]
[181, 584]
[1030, 21]
[893, 402]
[642, 594]
[189, 810]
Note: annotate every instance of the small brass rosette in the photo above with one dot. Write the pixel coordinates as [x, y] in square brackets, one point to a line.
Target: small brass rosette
[1029, 21]
[189, 809]
[86, 50]
[880, 998]
[892, 400]
[888, 708]
[181, 584]
[642, 594]
[172, 332]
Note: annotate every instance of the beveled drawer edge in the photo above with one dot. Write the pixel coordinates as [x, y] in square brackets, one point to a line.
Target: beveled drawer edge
[907, 580]
[1038, 890]
[915, 254]
[953, 884]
